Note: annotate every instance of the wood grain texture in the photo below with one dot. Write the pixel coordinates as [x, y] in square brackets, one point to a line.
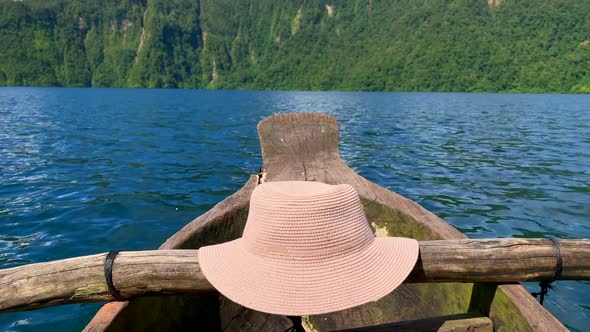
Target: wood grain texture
[304, 146]
[164, 272]
[452, 323]
[81, 279]
[500, 260]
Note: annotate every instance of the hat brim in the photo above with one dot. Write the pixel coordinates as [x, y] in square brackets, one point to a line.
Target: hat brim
[299, 288]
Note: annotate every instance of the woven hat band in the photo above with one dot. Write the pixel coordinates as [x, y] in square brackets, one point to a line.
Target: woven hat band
[321, 222]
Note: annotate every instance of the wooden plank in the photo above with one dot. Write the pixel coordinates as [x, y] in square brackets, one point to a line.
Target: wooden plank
[453, 323]
[142, 273]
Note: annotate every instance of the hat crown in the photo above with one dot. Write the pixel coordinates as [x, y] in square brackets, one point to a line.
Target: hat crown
[306, 221]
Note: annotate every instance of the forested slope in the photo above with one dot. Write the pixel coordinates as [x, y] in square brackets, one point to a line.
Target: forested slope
[403, 45]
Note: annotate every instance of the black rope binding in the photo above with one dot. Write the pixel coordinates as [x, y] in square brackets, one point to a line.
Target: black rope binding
[546, 284]
[297, 327]
[108, 275]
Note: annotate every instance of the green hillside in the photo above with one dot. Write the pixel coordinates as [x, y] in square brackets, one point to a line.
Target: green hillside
[399, 45]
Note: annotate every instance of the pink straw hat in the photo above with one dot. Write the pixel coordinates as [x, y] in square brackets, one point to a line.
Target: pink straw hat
[307, 249]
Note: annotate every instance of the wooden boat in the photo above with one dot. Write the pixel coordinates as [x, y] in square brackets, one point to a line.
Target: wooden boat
[305, 147]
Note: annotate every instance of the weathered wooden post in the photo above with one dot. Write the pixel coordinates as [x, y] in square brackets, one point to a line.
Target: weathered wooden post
[140, 273]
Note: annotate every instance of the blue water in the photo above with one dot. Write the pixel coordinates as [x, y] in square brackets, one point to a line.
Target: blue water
[84, 171]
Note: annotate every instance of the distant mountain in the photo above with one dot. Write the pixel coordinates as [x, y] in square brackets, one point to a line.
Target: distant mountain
[402, 45]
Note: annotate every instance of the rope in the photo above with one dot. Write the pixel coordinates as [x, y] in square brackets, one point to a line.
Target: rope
[108, 275]
[546, 284]
[297, 327]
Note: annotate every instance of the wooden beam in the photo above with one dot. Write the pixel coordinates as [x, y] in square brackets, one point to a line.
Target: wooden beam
[81, 279]
[500, 260]
[453, 323]
[160, 272]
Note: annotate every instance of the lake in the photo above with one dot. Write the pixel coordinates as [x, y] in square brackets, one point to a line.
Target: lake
[85, 171]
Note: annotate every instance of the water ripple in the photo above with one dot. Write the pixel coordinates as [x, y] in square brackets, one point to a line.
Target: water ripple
[88, 170]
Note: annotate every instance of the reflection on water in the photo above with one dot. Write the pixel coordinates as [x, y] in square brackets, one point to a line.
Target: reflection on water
[89, 170]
